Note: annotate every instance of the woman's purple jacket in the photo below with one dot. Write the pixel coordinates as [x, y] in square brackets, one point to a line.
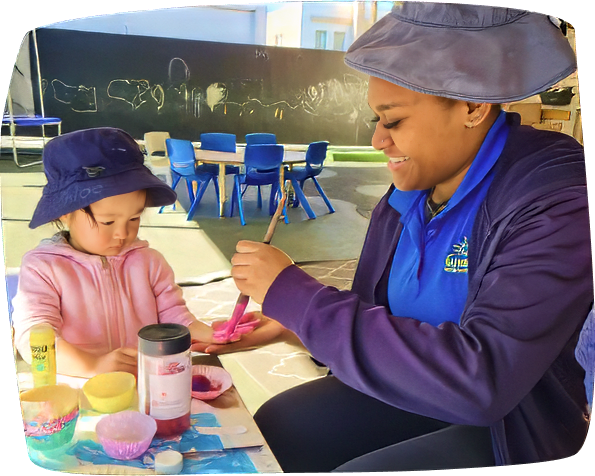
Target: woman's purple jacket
[509, 364]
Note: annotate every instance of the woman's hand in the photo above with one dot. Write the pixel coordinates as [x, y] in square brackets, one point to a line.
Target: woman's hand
[255, 266]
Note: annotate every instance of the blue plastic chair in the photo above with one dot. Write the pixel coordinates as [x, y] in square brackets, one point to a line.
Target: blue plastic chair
[262, 163]
[315, 156]
[183, 165]
[261, 138]
[222, 142]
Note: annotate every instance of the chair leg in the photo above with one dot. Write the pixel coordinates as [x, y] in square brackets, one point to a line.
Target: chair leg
[323, 195]
[238, 193]
[216, 191]
[233, 201]
[202, 187]
[190, 190]
[285, 217]
[296, 200]
[303, 200]
[175, 180]
[259, 199]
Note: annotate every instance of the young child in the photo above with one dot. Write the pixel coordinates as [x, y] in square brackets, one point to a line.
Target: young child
[94, 282]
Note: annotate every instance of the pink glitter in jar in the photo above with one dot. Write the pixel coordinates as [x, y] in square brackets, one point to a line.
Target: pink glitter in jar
[165, 376]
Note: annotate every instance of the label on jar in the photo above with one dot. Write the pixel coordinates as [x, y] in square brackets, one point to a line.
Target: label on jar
[170, 389]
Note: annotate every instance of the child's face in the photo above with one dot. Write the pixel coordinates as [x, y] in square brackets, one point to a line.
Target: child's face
[118, 220]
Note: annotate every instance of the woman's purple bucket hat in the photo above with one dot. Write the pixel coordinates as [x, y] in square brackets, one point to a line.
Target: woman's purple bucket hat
[86, 166]
[469, 52]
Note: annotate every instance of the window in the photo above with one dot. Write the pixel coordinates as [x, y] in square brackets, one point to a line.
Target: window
[338, 40]
[320, 39]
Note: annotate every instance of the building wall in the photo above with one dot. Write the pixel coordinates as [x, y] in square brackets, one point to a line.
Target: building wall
[328, 19]
[229, 24]
[284, 24]
[291, 24]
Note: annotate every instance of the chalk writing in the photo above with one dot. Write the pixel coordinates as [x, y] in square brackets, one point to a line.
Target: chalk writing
[79, 98]
[130, 91]
[343, 97]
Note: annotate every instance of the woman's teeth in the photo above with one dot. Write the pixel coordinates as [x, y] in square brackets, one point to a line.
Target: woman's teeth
[396, 160]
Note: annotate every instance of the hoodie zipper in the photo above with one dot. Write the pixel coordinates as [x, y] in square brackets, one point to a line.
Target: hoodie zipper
[104, 262]
[109, 299]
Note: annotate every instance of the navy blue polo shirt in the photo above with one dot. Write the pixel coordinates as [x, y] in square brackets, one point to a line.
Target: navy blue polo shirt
[428, 278]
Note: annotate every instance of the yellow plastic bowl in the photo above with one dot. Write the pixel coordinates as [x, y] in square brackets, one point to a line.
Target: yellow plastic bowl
[110, 392]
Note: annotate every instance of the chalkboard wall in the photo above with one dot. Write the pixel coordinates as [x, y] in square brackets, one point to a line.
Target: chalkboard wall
[188, 87]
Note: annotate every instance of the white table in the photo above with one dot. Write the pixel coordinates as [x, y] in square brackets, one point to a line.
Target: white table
[237, 431]
[222, 159]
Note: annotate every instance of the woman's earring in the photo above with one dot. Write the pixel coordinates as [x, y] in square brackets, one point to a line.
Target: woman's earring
[469, 125]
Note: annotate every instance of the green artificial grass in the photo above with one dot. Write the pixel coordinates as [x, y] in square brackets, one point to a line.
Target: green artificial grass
[359, 156]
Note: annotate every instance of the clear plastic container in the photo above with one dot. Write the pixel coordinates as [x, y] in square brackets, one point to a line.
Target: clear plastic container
[165, 376]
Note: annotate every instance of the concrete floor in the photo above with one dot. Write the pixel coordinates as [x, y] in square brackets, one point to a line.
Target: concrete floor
[327, 248]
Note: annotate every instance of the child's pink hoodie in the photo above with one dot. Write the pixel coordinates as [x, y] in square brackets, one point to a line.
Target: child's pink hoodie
[95, 302]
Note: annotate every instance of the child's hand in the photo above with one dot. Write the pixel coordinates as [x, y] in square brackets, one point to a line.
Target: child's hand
[123, 359]
[204, 335]
[267, 332]
[248, 322]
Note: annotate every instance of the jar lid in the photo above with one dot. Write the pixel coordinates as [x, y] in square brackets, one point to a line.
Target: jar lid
[163, 339]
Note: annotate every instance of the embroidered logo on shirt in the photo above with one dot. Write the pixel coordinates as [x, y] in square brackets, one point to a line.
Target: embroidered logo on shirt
[457, 262]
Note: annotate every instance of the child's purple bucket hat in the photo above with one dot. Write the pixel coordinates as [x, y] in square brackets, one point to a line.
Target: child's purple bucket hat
[86, 166]
[469, 52]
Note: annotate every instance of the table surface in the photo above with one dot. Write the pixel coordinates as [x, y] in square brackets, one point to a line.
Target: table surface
[237, 158]
[233, 424]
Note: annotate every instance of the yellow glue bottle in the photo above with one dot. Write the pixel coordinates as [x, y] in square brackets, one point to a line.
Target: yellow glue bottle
[43, 355]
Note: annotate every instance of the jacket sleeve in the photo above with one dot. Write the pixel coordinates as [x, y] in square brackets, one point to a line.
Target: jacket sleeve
[533, 297]
[36, 301]
[171, 306]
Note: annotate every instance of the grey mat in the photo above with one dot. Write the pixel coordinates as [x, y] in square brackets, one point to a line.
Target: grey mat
[353, 191]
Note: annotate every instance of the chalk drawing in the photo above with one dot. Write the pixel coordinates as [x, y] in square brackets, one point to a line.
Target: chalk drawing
[196, 98]
[261, 53]
[216, 94]
[79, 98]
[178, 71]
[301, 368]
[343, 98]
[132, 91]
[178, 76]
[335, 98]
[158, 95]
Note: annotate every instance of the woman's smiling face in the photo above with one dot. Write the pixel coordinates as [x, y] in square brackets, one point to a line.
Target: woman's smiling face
[424, 137]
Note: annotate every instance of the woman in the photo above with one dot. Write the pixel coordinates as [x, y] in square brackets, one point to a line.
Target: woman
[455, 346]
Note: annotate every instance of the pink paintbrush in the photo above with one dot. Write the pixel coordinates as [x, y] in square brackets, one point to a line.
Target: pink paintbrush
[230, 326]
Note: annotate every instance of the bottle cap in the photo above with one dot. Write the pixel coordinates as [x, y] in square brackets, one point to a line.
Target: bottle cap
[163, 339]
[168, 462]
